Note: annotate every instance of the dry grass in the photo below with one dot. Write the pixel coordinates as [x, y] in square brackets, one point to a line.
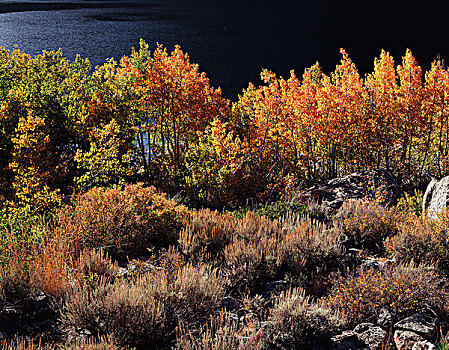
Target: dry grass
[295, 322]
[206, 233]
[221, 332]
[104, 343]
[147, 307]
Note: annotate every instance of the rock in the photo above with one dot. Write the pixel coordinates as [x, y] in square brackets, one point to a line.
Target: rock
[276, 286]
[373, 336]
[332, 194]
[364, 336]
[436, 197]
[423, 323]
[385, 319]
[251, 318]
[405, 340]
[376, 263]
[230, 304]
[423, 345]
[348, 340]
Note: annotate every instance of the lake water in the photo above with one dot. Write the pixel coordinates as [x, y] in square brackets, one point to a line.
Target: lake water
[231, 40]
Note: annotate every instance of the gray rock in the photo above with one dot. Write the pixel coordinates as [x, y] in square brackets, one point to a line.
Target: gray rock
[348, 340]
[373, 336]
[364, 336]
[405, 340]
[230, 304]
[436, 197]
[385, 319]
[423, 345]
[332, 194]
[423, 323]
[276, 286]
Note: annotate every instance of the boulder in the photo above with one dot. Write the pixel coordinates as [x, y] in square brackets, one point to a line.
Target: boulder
[333, 193]
[364, 336]
[276, 286]
[423, 323]
[423, 345]
[230, 304]
[373, 336]
[406, 340]
[436, 197]
[385, 319]
[348, 340]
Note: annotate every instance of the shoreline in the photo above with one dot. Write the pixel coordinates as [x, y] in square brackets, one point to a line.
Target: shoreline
[55, 6]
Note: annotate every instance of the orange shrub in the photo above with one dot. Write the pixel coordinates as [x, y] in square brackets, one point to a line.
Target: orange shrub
[401, 289]
[366, 224]
[51, 263]
[123, 222]
[422, 240]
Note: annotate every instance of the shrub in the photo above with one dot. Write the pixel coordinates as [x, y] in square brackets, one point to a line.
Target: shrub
[244, 265]
[147, 307]
[367, 224]
[90, 265]
[311, 248]
[123, 222]
[14, 278]
[252, 228]
[51, 262]
[277, 210]
[411, 203]
[295, 322]
[422, 240]
[129, 310]
[196, 293]
[104, 343]
[401, 289]
[219, 333]
[415, 241]
[206, 232]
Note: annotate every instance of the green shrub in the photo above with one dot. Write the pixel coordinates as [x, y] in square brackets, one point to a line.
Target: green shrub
[411, 203]
[274, 210]
[124, 222]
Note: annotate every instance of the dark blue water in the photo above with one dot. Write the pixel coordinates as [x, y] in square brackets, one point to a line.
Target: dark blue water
[231, 40]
